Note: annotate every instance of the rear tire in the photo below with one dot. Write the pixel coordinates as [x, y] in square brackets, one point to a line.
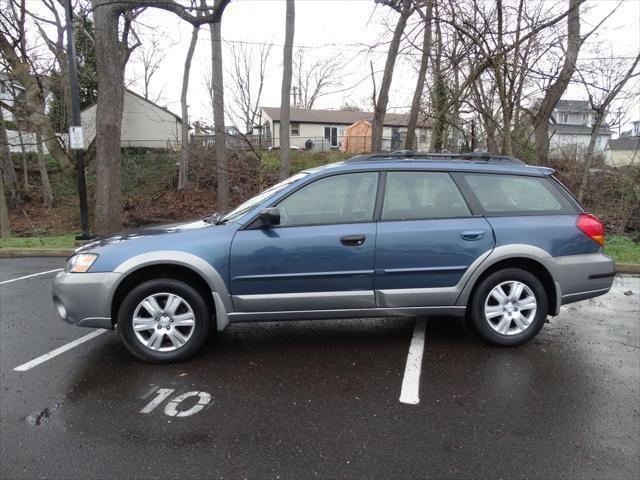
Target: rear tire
[509, 307]
[164, 320]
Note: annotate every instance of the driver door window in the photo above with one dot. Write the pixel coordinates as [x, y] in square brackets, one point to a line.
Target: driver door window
[347, 198]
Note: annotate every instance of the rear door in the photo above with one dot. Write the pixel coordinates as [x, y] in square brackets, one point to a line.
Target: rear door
[427, 239]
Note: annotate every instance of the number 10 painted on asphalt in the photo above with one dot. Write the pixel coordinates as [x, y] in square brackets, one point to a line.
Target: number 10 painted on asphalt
[171, 408]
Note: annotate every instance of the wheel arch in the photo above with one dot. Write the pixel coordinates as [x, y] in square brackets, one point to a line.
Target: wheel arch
[532, 261]
[180, 265]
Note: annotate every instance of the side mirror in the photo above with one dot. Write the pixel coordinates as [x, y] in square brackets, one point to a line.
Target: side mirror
[269, 217]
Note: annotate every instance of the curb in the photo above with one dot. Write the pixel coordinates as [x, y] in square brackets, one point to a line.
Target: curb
[34, 252]
[628, 268]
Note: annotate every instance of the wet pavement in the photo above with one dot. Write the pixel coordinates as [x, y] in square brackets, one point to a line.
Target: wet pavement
[321, 399]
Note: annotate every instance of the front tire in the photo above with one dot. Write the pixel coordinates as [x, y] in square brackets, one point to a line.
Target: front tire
[509, 307]
[164, 320]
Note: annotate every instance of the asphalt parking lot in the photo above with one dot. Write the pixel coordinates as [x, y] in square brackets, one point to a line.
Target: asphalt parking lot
[321, 399]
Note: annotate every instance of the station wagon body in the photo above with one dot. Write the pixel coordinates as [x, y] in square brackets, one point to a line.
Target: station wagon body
[485, 237]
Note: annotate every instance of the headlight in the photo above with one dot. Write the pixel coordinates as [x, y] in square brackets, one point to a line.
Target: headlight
[80, 263]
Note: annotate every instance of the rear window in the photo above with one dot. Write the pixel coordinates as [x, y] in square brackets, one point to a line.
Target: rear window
[512, 194]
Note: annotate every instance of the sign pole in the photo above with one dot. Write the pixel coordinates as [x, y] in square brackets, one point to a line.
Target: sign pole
[76, 138]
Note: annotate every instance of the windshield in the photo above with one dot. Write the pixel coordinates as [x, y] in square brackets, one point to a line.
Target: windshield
[258, 199]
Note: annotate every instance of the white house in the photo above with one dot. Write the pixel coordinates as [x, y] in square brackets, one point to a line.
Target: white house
[9, 91]
[144, 124]
[570, 130]
[624, 150]
[325, 128]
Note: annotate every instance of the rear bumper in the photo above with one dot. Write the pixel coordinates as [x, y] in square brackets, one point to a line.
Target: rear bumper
[84, 299]
[579, 277]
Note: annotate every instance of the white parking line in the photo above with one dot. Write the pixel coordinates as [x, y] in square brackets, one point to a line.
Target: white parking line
[29, 276]
[54, 353]
[410, 392]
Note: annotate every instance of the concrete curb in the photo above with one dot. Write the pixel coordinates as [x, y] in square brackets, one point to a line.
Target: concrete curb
[34, 252]
[628, 268]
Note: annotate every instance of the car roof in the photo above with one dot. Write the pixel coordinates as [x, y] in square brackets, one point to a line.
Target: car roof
[474, 162]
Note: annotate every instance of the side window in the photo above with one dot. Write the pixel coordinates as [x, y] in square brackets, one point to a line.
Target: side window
[416, 195]
[512, 194]
[345, 198]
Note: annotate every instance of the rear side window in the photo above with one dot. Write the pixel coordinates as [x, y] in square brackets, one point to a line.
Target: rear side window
[512, 194]
[416, 195]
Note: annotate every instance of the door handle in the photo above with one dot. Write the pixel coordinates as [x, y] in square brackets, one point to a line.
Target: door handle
[472, 235]
[353, 240]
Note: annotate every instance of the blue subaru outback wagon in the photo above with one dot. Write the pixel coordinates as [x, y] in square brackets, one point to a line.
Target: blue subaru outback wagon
[405, 234]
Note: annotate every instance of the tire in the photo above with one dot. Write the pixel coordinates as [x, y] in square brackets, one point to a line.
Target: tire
[172, 321]
[502, 320]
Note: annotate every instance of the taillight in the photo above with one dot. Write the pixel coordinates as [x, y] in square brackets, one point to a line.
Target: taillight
[592, 227]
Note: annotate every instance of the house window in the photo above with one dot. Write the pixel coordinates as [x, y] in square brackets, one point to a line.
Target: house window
[564, 118]
[295, 129]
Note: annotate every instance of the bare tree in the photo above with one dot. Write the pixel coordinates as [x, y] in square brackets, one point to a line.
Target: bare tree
[404, 8]
[312, 79]
[285, 99]
[17, 55]
[410, 140]
[248, 71]
[604, 83]
[150, 57]
[183, 172]
[557, 88]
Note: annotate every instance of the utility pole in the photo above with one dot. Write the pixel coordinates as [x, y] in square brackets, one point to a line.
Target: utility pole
[76, 138]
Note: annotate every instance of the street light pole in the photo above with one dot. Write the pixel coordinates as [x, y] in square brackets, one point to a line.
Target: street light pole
[76, 139]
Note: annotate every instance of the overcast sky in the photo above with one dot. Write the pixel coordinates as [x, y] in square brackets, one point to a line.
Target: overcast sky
[326, 28]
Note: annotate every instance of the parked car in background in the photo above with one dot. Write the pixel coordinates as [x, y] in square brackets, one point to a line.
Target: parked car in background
[477, 236]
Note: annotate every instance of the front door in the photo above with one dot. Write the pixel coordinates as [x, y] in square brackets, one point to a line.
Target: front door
[321, 255]
[427, 239]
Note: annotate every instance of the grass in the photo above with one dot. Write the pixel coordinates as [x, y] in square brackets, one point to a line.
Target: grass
[622, 249]
[66, 241]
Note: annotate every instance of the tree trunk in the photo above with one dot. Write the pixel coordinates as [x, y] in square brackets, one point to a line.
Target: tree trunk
[183, 174]
[410, 140]
[44, 176]
[217, 87]
[25, 161]
[380, 110]
[110, 72]
[557, 88]
[5, 226]
[588, 159]
[6, 163]
[285, 99]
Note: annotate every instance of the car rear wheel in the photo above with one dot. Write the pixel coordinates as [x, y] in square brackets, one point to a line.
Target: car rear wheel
[164, 320]
[509, 307]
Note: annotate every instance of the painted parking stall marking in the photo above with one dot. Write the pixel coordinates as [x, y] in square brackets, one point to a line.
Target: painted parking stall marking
[171, 408]
[30, 276]
[410, 392]
[54, 353]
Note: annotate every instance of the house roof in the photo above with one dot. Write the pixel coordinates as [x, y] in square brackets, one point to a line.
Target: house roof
[126, 90]
[568, 128]
[626, 143]
[574, 106]
[339, 117]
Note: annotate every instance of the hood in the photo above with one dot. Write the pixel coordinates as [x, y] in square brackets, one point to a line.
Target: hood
[145, 233]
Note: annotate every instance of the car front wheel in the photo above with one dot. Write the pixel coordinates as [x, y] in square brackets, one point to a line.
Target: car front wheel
[164, 320]
[509, 307]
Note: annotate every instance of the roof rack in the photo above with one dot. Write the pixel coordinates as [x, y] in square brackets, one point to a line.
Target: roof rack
[410, 154]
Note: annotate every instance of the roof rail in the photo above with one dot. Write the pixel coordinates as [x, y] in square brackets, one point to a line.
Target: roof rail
[410, 154]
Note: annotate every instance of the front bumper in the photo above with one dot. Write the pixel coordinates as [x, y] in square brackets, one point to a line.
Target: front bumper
[84, 299]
